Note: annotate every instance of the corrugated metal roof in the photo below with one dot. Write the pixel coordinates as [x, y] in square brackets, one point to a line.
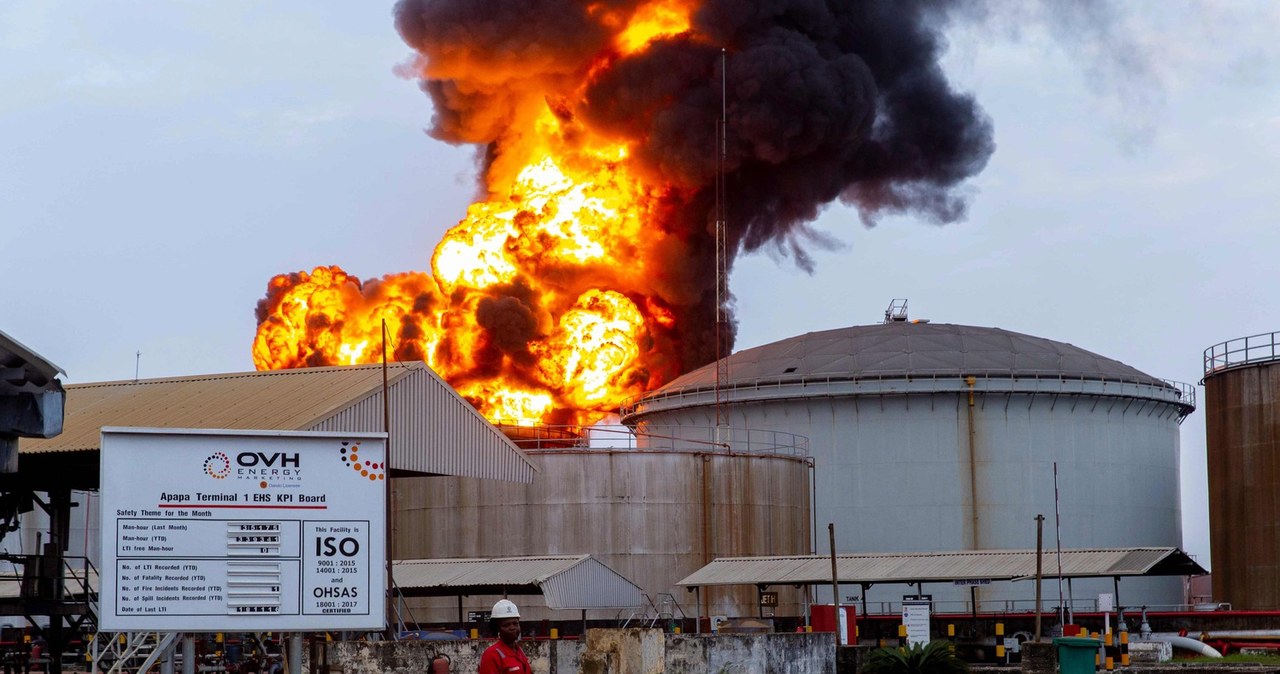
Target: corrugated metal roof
[901, 350]
[434, 431]
[935, 567]
[565, 581]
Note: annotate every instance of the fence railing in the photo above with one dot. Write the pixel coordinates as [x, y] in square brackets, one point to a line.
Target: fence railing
[1000, 607]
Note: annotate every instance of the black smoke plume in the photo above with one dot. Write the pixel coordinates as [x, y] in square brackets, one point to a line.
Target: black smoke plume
[826, 100]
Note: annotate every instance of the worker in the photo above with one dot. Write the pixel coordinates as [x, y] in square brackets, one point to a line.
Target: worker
[504, 656]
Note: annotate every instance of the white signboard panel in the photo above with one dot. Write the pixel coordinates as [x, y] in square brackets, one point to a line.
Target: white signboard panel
[211, 531]
[915, 615]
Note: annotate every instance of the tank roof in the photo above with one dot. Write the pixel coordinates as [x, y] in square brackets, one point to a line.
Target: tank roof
[912, 350]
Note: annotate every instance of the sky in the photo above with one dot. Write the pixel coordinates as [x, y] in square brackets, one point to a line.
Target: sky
[159, 162]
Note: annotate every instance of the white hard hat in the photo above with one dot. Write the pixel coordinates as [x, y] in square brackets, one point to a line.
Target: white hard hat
[504, 609]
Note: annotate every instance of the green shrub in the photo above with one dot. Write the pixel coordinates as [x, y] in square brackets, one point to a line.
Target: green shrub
[935, 657]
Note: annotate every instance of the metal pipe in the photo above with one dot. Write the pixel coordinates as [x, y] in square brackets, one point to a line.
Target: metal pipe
[835, 582]
[706, 526]
[974, 538]
[1057, 527]
[697, 600]
[1039, 569]
[295, 653]
[1185, 643]
[388, 534]
[166, 660]
[1241, 634]
[188, 654]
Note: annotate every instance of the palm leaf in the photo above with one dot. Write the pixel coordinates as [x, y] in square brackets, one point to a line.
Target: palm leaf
[935, 657]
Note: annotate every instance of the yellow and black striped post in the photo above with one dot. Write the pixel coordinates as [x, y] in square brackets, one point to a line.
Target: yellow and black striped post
[1124, 648]
[902, 636]
[1000, 641]
[1108, 643]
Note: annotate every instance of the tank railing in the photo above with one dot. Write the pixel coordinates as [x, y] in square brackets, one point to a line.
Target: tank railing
[754, 441]
[1186, 392]
[1038, 383]
[1241, 351]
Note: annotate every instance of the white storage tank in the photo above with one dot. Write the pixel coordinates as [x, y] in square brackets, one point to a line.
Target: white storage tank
[930, 437]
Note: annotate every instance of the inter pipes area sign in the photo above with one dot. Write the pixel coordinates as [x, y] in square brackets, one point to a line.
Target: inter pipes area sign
[211, 530]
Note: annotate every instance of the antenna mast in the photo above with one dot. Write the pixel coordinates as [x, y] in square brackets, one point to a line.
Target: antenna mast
[722, 259]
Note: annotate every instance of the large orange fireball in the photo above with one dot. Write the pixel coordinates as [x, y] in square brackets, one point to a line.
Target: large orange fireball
[585, 275]
[538, 307]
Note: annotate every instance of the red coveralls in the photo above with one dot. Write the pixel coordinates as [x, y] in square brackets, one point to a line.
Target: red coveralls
[502, 659]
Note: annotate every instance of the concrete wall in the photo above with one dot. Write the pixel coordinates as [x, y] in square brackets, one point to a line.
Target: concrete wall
[744, 653]
[633, 651]
[414, 657]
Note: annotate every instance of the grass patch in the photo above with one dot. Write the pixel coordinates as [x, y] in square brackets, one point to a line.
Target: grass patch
[1238, 659]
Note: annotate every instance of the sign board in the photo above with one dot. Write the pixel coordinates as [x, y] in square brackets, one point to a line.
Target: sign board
[1106, 602]
[915, 616]
[1012, 645]
[971, 581]
[478, 616]
[842, 629]
[246, 531]
[768, 598]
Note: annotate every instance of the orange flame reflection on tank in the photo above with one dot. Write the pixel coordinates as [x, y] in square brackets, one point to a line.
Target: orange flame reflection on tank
[565, 235]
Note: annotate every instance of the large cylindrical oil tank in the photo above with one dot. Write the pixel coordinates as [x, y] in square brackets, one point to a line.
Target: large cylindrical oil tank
[932, 437]
[1242, 420]
[654, 510]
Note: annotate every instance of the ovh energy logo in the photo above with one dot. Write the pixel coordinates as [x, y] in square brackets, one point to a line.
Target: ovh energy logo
[218, 466]
[350, 455]
[265, 468]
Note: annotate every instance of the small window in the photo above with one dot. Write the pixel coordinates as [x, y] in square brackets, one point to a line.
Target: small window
[789, 370]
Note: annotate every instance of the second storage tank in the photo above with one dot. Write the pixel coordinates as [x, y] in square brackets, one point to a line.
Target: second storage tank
[653, 509]
[1242, 415]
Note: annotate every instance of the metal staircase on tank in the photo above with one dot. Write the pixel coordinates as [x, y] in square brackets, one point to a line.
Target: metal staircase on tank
[650, 613]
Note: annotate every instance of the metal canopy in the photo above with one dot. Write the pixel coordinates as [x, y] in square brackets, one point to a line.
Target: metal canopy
[35, 369]
[944, 567]
[566, 581]
[434, 431]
